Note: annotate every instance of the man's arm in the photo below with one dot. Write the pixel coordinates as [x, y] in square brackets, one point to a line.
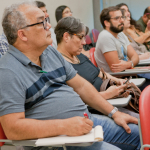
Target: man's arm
[112, 58]
[91, 97]
[122, 65]
[17, 127]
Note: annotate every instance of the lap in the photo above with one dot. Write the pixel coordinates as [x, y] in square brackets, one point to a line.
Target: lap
[115, 134]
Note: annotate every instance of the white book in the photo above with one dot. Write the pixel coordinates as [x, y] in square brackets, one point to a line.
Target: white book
[95, 135]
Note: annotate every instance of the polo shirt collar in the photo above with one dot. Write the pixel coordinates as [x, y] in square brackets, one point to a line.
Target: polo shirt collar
[21, 57]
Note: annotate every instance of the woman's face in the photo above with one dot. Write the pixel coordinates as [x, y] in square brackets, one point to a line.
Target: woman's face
[76, 43]
[67, 12]
[127, 13]
[127, 22]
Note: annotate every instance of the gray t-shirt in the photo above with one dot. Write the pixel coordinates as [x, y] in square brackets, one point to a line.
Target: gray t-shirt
[40, 95]
[106, 43]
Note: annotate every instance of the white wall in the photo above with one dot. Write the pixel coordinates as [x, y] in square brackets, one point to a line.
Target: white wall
[82, 9]
[136, 7]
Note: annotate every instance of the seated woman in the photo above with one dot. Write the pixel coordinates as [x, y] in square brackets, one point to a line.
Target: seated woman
[70, 35]
[62, 12]
[135, 30]
[139, 48]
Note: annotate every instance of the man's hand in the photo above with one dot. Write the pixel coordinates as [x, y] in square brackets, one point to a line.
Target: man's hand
[77, 126]
[122, 65]
[123, 119]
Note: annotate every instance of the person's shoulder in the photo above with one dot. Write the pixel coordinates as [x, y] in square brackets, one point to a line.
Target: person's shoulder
[53, 53]
[104, 35]
[3, 39]
[122, 35]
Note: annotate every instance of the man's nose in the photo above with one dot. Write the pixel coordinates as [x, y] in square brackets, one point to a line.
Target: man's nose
[46, 15]
[48, 26]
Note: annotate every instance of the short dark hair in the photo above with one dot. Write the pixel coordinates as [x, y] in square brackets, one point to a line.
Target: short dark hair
[147, 10]
[121, 4]
[59, 11]
[70, 25]
[40, 4]
[105, 14]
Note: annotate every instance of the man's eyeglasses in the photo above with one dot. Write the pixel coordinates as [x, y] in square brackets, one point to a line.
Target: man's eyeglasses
[80, 36]
[148, 15]
[67, 12]
[44, 22]
[118, 18]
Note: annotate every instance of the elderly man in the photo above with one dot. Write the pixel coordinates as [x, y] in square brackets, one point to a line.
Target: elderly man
[4, 45]
[144, 19]
[113, 51]
[42, 95]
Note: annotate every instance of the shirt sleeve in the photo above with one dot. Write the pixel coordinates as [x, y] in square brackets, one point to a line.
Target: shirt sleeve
[106, 42]
[3, 48]
[12, 93]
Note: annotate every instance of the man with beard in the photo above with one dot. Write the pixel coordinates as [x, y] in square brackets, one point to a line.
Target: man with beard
[113, 51]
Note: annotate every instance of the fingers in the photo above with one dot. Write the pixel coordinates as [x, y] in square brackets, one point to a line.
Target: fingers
[88, 121]
[121, 88]
[88, 126]
[133, 120]
[126, 127]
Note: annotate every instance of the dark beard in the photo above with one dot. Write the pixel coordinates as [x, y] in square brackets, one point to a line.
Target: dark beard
[115, 29]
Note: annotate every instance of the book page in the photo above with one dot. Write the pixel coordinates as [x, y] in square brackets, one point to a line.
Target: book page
[63, 139]
[98, 133]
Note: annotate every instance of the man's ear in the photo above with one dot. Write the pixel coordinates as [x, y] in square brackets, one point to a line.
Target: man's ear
[66, 37]
[107, 23]
[22, 35]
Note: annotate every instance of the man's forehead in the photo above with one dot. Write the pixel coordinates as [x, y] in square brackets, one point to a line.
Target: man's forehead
[32, 12]
[115, 13]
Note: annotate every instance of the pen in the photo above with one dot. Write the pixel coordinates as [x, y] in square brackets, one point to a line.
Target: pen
[41, 71]
[85, 115]
[128, 79]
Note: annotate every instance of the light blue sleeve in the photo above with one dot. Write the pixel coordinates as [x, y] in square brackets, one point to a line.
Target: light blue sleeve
[12, 93]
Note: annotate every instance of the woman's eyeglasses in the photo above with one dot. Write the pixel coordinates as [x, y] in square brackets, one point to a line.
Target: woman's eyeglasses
[67, 12]
[80, 36]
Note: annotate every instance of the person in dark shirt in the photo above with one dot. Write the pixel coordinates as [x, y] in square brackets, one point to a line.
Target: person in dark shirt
[85, 68]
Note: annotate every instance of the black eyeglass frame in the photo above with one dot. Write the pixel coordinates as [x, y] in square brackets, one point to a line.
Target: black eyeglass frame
[119, 17]
[44, 22]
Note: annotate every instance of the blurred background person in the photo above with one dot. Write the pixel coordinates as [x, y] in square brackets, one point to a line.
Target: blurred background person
[62, 12]
[135, 30]
[42, 6]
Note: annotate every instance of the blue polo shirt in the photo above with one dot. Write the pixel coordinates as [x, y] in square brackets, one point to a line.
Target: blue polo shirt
[41, 95]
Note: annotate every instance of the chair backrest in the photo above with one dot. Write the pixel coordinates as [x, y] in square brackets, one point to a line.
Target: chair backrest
[92, 50]
[88, 39]
[95, 34]
[144, 111]
[2, 135]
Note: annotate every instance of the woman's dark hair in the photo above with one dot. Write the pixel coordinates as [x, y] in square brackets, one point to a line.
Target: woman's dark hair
[132, 21]
[70, 25]
[59, 12]
[105, 14]
[121, 4]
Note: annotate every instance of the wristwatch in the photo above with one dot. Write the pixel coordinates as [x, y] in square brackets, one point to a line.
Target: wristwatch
[132, 65]
[112, 112]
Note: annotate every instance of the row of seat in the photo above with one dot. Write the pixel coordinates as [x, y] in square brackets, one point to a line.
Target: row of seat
[95, 34]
